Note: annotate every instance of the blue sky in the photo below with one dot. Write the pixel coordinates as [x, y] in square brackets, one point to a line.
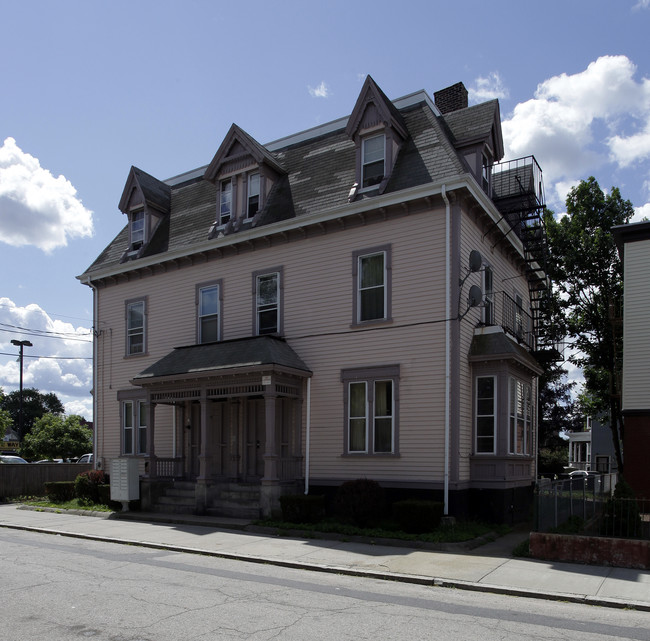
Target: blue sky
[90, 88]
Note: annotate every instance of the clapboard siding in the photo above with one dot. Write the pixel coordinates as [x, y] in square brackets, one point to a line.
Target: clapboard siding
[636, 331]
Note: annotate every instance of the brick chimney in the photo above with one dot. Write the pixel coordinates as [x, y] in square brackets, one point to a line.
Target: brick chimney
[452, 98]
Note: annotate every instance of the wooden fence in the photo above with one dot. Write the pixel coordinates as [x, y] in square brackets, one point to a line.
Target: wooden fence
[29, 480]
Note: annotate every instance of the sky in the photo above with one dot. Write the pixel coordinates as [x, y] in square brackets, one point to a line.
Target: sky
[89, 88]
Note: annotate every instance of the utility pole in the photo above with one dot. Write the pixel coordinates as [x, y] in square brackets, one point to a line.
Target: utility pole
[21, 345]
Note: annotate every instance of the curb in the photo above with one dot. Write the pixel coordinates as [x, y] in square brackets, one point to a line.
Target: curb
[370, 574]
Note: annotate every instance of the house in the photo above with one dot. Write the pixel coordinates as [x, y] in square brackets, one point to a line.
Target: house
[633, 241]
[592, 448]
[360, 299]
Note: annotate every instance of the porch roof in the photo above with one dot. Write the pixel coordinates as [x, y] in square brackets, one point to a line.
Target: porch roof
[498, 346]
[246, 354]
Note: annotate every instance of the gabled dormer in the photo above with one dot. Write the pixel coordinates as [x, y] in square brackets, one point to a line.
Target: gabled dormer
[244, 172]
[476, 131]
[146, 201]
[378, 131]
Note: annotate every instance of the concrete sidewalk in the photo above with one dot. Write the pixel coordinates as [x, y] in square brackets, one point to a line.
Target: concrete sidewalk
[488, 568]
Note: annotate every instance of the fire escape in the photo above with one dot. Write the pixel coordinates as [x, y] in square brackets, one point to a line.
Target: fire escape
[517, 190]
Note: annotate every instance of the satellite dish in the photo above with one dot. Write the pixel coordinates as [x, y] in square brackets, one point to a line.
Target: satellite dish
[475, 297]
[475, 261]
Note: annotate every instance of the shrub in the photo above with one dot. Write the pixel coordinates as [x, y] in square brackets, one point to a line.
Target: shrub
[302, 508]
[104, 495]
[360, 502]
[60, 491]
[87, 484]
[418, 516]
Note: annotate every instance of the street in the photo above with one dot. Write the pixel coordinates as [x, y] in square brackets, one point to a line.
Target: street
[61, 588]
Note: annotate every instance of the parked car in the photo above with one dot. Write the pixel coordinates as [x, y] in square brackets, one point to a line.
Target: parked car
[85, 458]
[10, 458]
[47, 460]
[582, 474]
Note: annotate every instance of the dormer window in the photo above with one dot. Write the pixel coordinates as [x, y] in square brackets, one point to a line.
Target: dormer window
[373, 164]
[253, 203]
[137, 229]
[225, 202]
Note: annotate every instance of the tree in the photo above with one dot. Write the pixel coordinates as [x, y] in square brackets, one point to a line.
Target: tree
[54, 436]
[588, 291]
[35, 405]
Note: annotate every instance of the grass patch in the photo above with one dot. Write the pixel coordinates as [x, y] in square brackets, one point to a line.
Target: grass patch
[456, 533]
[74, 504]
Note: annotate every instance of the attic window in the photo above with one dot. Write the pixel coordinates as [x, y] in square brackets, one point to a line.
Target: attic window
[373, 164]
[253, 195]
[225, 202]
[137, 229]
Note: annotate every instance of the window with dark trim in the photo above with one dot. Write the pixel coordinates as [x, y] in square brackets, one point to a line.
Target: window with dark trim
[486, 417]
[135, 327]
[267, 303]
[373, 160]
[208, 312]
[253, 197]
[136, 229]
[488, 295]
[134, 427]
[372, 279]
[225, 201]
[371, 402]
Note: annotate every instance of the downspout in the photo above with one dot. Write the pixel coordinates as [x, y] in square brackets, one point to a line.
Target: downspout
[307, 435]
[94, 388]
[447, 343]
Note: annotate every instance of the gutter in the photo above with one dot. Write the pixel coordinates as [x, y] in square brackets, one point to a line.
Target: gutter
[307, 435]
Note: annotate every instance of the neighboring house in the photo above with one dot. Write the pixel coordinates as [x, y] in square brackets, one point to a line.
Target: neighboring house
[10, 442]
[592, 448]
[356, 300]
[633, 242]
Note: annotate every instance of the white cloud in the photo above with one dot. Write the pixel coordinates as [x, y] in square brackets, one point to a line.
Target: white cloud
[488, 88]
[59, 360]
[642, 4]
[322, 91]
[35, 207]
[561, 124]
[640, 213]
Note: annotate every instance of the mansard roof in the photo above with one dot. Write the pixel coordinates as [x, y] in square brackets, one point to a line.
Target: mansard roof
[314, 169]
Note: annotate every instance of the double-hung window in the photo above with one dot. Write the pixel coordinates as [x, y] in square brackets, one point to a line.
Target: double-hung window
[253, 203]
[137, 229]
[521, 417]
[371, 410]
[267, 303]
[134, 427]
[208, 313]
[373, 152]
[372, 285]
[485, 415]
[225, 201]
[135, 327]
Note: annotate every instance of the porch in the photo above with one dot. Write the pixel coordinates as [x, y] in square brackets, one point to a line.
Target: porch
[236, 427]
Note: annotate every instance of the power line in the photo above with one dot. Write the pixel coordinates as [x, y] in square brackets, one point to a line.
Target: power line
[60, 358]
[44, 333]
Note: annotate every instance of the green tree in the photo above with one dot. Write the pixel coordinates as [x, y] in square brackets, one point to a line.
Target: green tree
[587, 273]
[35, 405]
[55, 436]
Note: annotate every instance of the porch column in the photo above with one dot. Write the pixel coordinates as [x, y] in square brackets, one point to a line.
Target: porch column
[206, 453]
[151, 424]
[271, 449]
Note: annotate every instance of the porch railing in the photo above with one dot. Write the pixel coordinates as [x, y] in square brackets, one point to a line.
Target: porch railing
[289, 468]
[502, 309]
[169, 467]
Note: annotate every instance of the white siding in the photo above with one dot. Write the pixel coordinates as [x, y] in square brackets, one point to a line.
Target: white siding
[636, 329]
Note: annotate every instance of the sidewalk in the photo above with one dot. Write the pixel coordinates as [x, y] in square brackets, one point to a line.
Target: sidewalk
[488, 568]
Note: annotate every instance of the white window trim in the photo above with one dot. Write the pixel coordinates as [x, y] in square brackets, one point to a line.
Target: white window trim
[141, 233]
[199, 289]
[135, 408]
[494, 415]
[358, 256]
[248, 193]
[232, 214]
[513, 417]
[278, 305]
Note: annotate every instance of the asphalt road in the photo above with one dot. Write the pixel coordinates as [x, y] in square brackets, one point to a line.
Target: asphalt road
[64, 589]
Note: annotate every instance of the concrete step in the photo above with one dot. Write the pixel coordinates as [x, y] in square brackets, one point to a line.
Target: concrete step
[176, 500]
[175, 491]
[234, 510]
